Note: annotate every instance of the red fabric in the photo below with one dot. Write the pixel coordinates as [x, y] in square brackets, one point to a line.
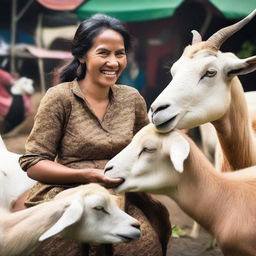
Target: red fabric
[6, 78]
[61, 4]
[6, 81]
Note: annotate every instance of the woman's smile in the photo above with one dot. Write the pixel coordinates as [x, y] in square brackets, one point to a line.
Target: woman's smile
[110, 73]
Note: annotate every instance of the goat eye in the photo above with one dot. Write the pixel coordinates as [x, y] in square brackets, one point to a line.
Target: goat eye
[101, 209]
[98, 208]
[147, 150]
[210, 73]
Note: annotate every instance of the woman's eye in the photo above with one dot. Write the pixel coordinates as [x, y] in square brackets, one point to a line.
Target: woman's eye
[103, 53]
[120, 53]
[147, 150]
[101, 209]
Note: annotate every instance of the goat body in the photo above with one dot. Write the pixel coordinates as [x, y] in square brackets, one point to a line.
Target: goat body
[13, 180]
[171, 164]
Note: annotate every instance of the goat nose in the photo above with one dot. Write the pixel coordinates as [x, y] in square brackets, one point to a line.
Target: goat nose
[108, 168]
[160, 108]
[136, 225]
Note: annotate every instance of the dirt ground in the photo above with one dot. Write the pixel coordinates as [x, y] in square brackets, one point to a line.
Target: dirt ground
[182, 246]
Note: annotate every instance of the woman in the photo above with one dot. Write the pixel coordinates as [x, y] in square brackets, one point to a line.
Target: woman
[85, 121]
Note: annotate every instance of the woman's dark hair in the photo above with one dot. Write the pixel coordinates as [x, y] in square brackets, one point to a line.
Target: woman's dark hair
[83, 41]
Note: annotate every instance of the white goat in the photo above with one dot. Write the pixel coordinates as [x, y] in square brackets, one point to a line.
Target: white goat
[171, 164]
[13, 180]
[205, 88]
[23, 85]
[87, 213]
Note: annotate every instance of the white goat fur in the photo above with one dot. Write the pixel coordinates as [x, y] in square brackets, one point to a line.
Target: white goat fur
[13, 180]
[205, 88]
[87, 213]
[23, 85]
[171, 164]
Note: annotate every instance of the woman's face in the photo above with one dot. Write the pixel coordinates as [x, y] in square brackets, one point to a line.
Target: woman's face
[106, 59]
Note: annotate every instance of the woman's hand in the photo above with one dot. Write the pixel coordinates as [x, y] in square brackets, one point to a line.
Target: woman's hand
[97, 176]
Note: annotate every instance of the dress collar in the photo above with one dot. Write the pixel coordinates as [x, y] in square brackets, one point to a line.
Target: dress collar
[78, 92]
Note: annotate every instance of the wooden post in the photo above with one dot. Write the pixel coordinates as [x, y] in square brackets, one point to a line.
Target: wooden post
[14, 19]
[13, 37]
[40, 61]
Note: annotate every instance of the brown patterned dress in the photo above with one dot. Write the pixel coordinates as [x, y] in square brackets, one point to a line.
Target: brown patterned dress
[66, 130]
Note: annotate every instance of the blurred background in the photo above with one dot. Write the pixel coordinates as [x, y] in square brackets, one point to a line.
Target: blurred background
[35, 39]
[35, 36]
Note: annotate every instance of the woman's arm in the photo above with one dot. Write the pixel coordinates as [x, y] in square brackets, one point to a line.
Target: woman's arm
[51, 172]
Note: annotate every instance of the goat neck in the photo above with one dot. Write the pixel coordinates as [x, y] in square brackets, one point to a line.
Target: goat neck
[235, 132]
[22, 220]
[198, 187]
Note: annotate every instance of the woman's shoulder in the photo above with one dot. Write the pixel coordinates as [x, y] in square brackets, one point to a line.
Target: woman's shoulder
[60, 91]
[58, 94]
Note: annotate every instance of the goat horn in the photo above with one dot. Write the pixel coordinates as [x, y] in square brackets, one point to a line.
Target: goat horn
[196, 37]
[218, 38]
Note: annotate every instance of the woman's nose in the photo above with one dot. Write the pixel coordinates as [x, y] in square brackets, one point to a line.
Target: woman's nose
[112, 61]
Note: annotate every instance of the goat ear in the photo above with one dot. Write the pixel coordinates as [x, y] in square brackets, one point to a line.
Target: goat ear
[241, 66]
[71, 215]
[179, 150]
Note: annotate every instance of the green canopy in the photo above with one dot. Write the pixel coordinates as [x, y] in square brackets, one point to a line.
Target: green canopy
[129, 10]
[234, 9]
[142, 10]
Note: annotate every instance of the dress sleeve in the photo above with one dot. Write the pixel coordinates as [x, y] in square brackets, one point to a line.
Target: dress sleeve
[49, 124]
[141, 116]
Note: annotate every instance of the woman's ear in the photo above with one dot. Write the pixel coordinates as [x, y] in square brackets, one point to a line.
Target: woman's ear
[81, 60]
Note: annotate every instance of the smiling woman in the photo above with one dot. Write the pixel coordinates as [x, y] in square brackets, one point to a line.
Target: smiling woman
[85, 121]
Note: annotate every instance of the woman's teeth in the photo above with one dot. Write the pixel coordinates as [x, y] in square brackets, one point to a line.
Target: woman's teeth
[109, 72]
